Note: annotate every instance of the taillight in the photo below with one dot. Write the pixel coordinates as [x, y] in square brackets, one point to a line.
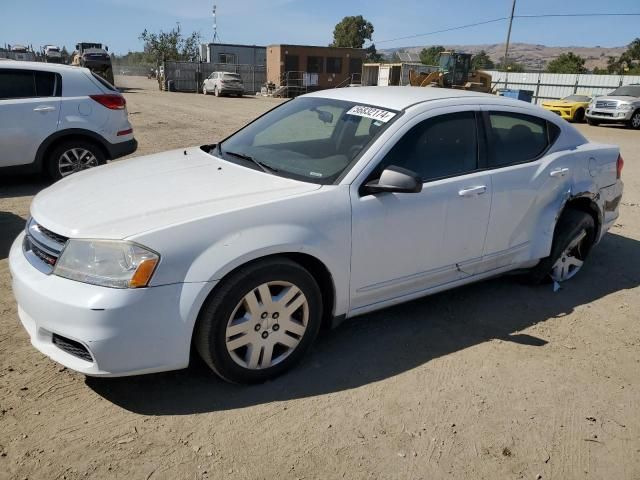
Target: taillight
[619, 165]
[111, 101]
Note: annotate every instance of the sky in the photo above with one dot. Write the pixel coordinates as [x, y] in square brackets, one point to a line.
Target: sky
[118, 23]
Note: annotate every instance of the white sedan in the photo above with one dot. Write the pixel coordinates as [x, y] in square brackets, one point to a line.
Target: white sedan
[332, 205]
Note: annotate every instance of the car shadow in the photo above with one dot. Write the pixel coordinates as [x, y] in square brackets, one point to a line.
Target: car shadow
[389, 342]
[10, 226]
[12, 186]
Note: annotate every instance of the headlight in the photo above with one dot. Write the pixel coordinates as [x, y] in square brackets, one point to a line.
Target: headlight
[625, 107]
[115, 264]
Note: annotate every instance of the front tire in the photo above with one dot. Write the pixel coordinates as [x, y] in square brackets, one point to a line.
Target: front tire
[572, 241]
[578, 117]
[73, 156]
[260, 321]
[634, 122]
[204, 90]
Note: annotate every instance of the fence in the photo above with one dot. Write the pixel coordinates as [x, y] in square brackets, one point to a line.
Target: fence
[188, 76]
[141, 70]
[551, 86]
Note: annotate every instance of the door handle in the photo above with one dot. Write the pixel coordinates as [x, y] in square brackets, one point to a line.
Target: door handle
[44, 108]
[559, 172]
[472, 191]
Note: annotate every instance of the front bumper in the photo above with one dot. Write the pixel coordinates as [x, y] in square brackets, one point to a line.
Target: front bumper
[608, 115]
[566, 113]
[124, 331]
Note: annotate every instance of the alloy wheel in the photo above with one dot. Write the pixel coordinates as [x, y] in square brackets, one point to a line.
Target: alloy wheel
[267, 325]
[75, 160]
[571, 259]
[635, 120]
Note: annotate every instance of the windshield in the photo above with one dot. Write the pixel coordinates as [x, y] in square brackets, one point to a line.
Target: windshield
[309, 139]
[577, 98]
[627, 91]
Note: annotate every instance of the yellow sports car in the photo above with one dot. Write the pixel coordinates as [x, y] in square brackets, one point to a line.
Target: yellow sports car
[570, 108]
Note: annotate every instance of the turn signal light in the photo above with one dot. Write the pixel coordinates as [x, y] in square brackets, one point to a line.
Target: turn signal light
[143, 273]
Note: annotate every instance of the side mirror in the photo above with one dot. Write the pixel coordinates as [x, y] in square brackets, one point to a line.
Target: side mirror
[395, 180]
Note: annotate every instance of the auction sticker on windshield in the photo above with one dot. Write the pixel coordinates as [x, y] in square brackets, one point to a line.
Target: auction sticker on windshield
[370, 112]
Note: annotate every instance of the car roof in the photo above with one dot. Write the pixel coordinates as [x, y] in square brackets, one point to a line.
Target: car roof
[46, 67]
[396, 98]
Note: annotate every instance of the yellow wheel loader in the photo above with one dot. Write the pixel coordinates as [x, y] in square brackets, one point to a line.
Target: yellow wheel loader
[454, 72]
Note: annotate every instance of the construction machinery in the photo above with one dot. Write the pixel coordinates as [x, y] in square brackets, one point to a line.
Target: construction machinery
[95, 57]
[454, 71]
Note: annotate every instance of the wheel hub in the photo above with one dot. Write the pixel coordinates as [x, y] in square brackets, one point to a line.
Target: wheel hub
[75, 160]
[267, 325]
[570, 261]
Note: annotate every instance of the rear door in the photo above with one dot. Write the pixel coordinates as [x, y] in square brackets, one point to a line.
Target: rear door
[29, 112]
[528, 185]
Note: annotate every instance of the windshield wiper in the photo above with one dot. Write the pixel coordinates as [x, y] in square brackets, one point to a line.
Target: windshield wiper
[263, 166]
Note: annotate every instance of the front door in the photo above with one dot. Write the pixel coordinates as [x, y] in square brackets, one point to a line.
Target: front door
[407, 243]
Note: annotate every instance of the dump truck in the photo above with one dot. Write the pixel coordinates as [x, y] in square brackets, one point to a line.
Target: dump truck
[95, 57]
[454, 71]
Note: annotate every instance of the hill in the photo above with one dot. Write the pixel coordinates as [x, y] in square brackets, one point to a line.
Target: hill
[533, 56]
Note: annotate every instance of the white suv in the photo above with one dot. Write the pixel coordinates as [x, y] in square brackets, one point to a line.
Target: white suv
[59, 119]
[331, 205]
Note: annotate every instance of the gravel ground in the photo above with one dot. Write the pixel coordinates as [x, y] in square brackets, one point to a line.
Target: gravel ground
[492, 380]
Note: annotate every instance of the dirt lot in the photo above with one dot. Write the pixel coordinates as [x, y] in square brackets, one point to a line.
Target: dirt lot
[496, 380]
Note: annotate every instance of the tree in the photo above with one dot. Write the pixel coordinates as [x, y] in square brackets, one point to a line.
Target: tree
[431, 55]
[64, 53]
[170, 45]
[373, 55]
[482, 61]
[352, 32]
[567, 63]
[511, 66]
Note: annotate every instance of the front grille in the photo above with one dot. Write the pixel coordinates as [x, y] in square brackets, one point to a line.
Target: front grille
[42, 247]
[71, 347]
[606, 104]
[603, 114]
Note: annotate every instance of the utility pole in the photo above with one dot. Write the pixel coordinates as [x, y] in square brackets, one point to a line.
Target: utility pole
[506, 47]
[215, 24]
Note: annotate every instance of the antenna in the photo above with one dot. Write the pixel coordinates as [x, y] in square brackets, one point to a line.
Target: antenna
[215, 24]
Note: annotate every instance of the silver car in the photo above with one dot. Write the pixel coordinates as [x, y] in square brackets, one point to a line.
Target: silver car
[223, 83]
[620, 106]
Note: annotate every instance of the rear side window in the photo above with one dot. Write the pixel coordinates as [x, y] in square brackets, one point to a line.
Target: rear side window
[439, 147]
[104, 83]
[517, 138]
[28, 84]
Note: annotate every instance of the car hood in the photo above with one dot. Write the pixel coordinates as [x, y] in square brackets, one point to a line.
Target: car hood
[147, 193]
[619, 99]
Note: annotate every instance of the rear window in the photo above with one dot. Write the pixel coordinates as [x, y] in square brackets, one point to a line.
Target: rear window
[232, 76]
[16, 84]
[517, 138]
[104, 83]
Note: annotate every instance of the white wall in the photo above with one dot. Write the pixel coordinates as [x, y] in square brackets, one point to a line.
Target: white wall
[558, 85]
